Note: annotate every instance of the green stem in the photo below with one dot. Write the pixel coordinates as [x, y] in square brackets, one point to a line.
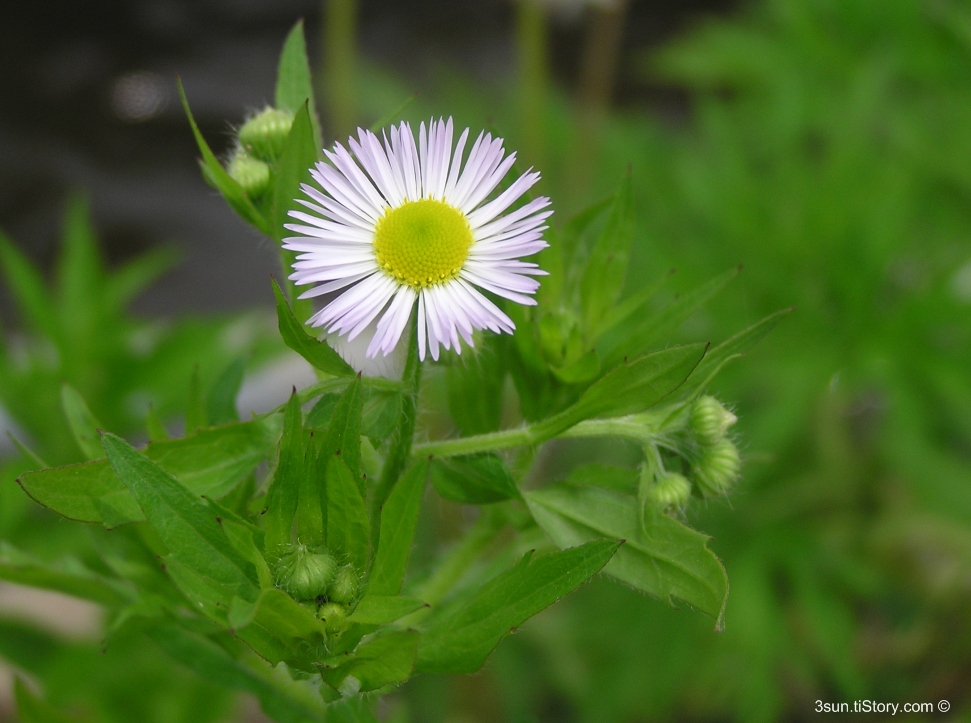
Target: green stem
[560, 425]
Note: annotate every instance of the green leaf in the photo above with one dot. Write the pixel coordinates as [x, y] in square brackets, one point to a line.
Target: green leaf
[182, 521]
[135, 275]
[294, 86]
[83, 424]
[68, 577]
[214, 172]
[280, 616]
[659, 327]
[211, 463]
[460, 641]
[399, 518]
[350, 710]
[603, 278]
[212, 663]
[473, 479]
[320, 355]
[661, 557]
[221, 400]
[311, 495]
[27, 452]
[348, 530]
[383, 609]
[79, 274]
[639, 385]
[630, 306]
[475, 387]
[292, 170]
[281, 498]
[377, 662]
[28, 290]
[31, 709]
[610, 477]
[343, 435]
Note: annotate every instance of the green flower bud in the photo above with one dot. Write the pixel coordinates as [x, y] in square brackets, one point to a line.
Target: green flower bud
[251, 174]
[710, 420]
[670, 490]
[343, 589]
[265, 134]
[304, 574]
[717, 468]
[333, 615]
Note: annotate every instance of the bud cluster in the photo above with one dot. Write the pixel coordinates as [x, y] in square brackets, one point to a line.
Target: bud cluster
[712, 460]
[313, 576]
[260, 143]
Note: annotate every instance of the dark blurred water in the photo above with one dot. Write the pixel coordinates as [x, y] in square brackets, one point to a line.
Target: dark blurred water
[89, 102]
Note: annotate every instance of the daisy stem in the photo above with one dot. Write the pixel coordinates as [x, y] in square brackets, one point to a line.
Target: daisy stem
[559, 425]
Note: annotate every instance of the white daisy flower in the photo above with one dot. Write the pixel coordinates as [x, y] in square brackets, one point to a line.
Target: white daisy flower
[399, 222]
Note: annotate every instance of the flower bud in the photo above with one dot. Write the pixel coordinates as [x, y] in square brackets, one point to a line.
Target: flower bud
[717, 468]
[333, 615]
[710, 420]
[343, 589]
[265, 134]
[251, 174]
[670, 490]
[306, 575]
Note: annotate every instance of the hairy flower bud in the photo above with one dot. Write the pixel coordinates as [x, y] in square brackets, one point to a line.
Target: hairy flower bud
[333, 615]
[343, 589]
[670, 490]
[305, 574]
[717, 468]
[710, 420]
[251, 174]
[265, 134]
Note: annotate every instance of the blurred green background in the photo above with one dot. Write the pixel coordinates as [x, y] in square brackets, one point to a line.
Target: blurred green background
[823, 144]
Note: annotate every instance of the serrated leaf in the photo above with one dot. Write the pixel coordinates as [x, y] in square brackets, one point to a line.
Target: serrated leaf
[294, 86]
[84, 426]
[383, 609]
[214, 172]
[211, 463]
[603, 278]
[461, 641]
[348, 530]
[320, 355]
[181, 519]
[639, 385]
[379, 661]
[282, 496]
[221, 399]
[399, 518]
[473, 479]
[69, 577]
[212, 663]
[661, 557]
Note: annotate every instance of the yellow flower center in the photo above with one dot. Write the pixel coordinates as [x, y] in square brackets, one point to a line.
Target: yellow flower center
[422, 243]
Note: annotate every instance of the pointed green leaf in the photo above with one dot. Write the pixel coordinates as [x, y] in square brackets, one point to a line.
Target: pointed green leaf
[311, 500]
[214, 172]
[473, 479]
[212, 663]
[27, 452]
[740, 343]
[126, 282]
[460, 641]
[343, 435]
[320, 355]
[211, 462]
[603, 278]
[27, 287]
[399, 518]
[662, 557]
[348, 530]
[82, 422]
[79, 273]
[294, 86]
[281, 498]
[383, 609]
[380, 661]
[181, 519]
[221, 400]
